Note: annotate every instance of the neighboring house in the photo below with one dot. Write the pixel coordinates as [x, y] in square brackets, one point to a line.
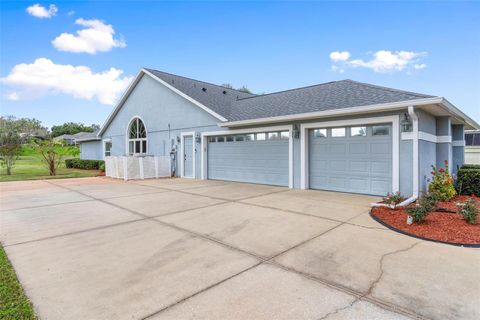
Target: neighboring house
[90, 146]
[341, 136]
[472, 147]
[71, 139]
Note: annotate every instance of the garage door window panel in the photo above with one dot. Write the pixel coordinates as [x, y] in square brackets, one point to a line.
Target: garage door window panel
[358, 131]
[338, 132]
[381, 130]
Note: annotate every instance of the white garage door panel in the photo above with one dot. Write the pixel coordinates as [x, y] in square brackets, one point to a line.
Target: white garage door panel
[264, 162]
[351, 164]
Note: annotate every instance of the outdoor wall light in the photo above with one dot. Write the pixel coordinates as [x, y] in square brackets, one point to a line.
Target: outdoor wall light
[198, 139]
[178, 139]
[296, 131]
[405, 123]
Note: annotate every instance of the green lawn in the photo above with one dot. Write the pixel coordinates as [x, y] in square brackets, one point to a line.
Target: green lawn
[13, 302]
[31, 167]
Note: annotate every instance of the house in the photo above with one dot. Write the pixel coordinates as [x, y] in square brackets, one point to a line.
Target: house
[342, 136]
[472, 147]
[71, 139]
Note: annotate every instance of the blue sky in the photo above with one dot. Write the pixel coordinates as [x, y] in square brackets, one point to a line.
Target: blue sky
[49, 71]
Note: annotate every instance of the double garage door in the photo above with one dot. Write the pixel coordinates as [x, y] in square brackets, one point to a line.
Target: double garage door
[351, 159]
[348, 159]
[254, 158]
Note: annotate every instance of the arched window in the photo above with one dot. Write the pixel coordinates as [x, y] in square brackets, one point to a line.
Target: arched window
[137, 137]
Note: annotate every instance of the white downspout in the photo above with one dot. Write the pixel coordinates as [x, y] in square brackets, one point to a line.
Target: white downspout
[416, 170]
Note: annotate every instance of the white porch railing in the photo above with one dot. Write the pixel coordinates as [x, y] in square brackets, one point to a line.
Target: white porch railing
[130, 168]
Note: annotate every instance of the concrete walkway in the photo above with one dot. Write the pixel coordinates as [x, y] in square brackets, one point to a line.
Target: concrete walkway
[96, 248]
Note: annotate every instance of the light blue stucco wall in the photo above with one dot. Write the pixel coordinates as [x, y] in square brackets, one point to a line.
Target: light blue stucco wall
[458, 155]
[166, 115]
[91, 150]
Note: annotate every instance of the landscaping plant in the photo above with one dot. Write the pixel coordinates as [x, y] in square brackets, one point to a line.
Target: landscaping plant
[393, 199]
[468, 180]
[424, 206]
[442, 183]
[469, 211]
[53, 153]
[10, 143]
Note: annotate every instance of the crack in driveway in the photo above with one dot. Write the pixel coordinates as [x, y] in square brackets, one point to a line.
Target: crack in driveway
[374, 283]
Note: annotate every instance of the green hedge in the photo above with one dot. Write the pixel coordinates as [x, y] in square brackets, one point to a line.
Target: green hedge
[471, 166]
[468, 180]
[84, 164]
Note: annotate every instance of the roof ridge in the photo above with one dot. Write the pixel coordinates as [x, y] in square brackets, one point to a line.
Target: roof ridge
[209, 83]
[282, 91]
[388, 88]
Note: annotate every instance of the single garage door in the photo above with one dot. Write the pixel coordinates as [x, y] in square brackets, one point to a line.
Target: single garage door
[254, 158]
[351, 159]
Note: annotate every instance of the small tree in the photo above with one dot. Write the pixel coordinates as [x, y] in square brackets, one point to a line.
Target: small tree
[10, 143]
[53, 153]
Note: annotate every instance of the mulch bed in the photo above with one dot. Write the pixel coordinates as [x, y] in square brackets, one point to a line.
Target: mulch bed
[439, 226]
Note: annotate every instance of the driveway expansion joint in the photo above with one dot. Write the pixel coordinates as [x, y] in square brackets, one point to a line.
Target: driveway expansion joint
[261, 260]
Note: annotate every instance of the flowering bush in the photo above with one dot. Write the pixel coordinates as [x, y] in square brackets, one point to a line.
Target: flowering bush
[393, 199]
[442, 183]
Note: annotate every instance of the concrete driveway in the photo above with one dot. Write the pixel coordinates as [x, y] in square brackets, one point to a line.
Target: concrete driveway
[97, 248]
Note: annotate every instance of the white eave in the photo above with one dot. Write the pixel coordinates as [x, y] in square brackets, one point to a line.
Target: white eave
[132, 86]
[449, 108]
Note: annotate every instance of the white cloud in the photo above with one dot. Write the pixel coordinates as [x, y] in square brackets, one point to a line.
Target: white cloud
[420, 66]
[44, 77]
[41, 12]
[95, 37]
[71, 13]
[382, 61]
[339, 56]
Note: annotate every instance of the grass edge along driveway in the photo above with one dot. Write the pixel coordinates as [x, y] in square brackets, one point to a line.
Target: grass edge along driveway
[14, 304]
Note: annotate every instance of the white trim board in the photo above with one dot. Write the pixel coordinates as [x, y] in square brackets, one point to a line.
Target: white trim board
[204, 146]
[458, 143]
[425, 136]
[132, 86]
[182, 154]
[304, 146]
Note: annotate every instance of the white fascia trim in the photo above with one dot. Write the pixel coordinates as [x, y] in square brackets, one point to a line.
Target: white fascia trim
[336, 112]
[195, 102]
[425, 136]
[458, 143]
[88, 139]
[204, 145]
[459, 114]
[120, 102]
[182, 153]
[394, 120]
[132, 85]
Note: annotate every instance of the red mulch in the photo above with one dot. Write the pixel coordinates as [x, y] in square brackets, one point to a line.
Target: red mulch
[441, 226]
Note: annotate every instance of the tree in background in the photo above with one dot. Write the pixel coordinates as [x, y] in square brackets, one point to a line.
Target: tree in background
[53, 153]
[73, 128]
[10, 142]
[25, 127]
[242, 88]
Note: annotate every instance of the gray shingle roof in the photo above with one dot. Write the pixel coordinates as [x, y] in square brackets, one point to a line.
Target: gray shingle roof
[214, 97]
[235, 105]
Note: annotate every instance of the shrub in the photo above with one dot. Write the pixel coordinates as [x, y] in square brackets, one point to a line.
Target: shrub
[84, 164]
[469, 211]
[429, 201]
[393, 199]
[424, 206]
[418, 213]
[102, 167]
[442, 183]
[468, 181]
[471, 166]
